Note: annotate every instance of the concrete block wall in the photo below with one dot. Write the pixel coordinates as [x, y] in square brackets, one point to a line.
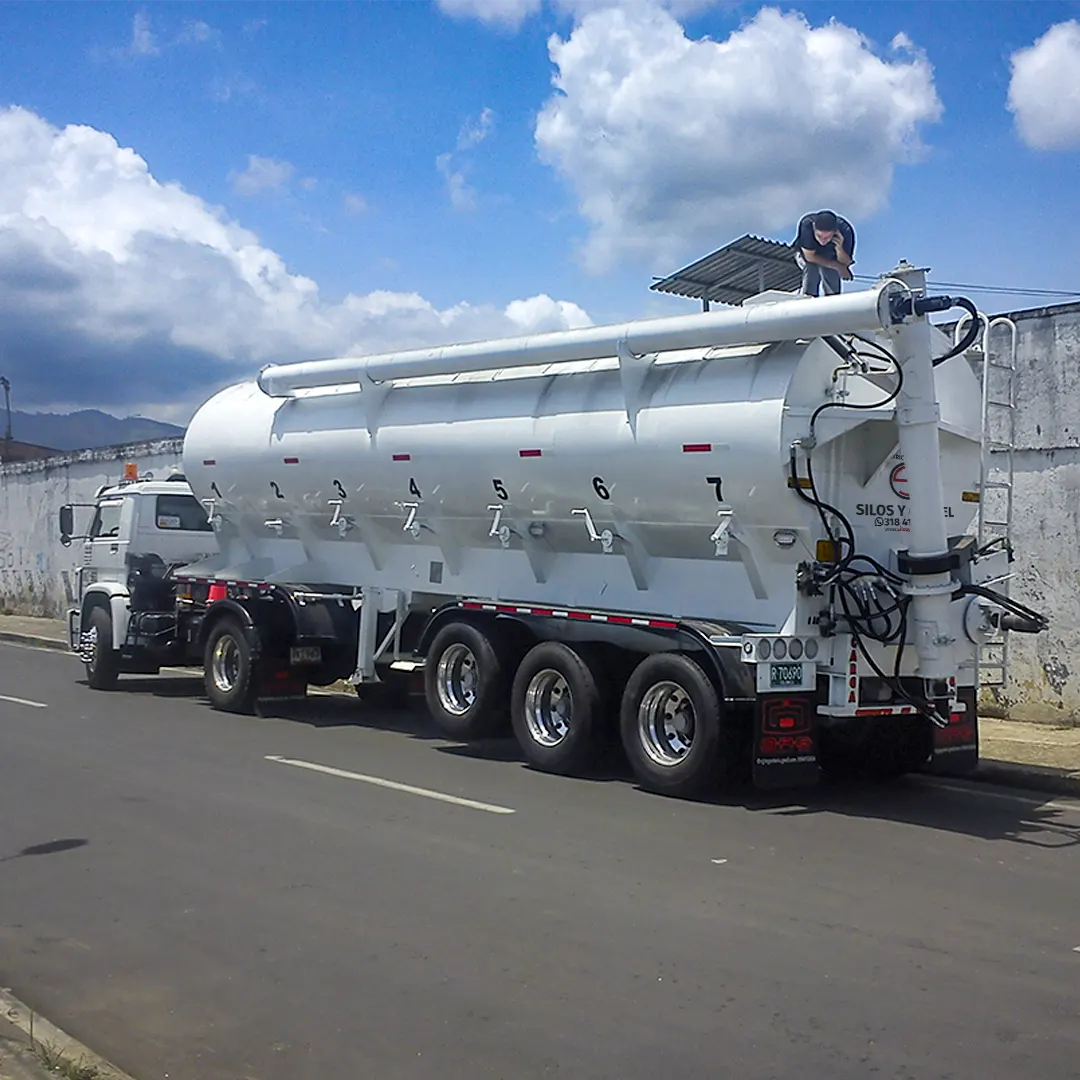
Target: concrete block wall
[1044, 671]
[36, 571]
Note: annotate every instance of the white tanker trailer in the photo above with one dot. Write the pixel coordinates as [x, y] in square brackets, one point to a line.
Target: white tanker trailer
[741, 538]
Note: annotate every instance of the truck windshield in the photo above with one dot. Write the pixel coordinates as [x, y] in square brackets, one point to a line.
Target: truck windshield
[182, 512]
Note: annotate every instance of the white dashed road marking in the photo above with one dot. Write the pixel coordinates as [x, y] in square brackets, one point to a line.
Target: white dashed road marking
[393, 785]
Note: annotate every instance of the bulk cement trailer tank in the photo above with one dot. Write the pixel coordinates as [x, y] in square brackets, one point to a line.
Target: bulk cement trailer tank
[738, 537]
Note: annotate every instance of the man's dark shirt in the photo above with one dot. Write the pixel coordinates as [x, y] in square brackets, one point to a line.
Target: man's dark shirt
[807, 240]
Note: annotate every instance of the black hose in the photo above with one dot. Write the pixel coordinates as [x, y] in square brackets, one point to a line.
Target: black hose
[969, 337]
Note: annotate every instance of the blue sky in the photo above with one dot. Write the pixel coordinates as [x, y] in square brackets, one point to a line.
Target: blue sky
[177, 179]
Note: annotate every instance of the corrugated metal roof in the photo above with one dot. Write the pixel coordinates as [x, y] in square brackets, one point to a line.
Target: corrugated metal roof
[736, 271]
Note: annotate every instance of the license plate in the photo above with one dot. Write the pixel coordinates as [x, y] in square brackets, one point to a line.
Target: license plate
[785, 674]
[305, 654]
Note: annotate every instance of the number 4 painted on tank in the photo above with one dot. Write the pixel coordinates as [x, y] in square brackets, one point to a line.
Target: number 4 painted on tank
[718, 485]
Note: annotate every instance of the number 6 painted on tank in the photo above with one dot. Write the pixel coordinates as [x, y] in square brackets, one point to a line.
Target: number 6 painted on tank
[600, 487]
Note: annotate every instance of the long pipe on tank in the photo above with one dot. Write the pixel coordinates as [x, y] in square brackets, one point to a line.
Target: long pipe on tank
[917, 418]
[752, 324]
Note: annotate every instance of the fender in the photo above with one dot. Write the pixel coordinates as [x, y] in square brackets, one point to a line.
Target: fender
[114, 597]
[218, 610]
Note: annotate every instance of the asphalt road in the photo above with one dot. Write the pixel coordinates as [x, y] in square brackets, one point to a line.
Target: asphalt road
[192, 908]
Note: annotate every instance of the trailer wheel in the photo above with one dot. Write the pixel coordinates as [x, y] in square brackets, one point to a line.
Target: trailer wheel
[102, 661]
[671, 726]
[557, 708]
[230, 672]
[466, 683]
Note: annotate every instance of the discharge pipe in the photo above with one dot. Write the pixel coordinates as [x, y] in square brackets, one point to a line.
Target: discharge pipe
[752, 324]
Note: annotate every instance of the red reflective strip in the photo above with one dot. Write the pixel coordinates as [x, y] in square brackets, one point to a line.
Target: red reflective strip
[529, 453]
[209, 461]
[663, 624]
[622, 620]
[696, 447]
[541, 611]
[509, 608]
[292, 461]
[579, 615]
[403, 457]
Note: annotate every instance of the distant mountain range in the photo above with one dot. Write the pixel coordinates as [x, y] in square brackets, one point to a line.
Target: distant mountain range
[85, 429]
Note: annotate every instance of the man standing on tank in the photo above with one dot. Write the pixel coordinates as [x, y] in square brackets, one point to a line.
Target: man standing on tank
[825, 251]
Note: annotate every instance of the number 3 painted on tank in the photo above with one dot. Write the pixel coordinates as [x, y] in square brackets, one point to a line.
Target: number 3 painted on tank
[600, 487]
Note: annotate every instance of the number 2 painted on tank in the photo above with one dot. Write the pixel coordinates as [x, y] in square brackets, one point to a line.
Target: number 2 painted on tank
[600, 487]
[718, 486]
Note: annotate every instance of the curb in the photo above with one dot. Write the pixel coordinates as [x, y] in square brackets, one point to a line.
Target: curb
[18, 638]
[1032, 777]
[48, 1034]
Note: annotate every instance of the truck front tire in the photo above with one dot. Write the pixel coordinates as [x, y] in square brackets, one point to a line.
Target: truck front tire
[467, 683]
[557, 708]
[671, 726]
[230, 672]
[103, 666]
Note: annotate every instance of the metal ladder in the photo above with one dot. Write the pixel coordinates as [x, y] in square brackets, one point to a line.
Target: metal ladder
[996, 473]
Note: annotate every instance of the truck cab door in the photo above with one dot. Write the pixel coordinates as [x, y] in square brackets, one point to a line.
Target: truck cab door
[106, 545]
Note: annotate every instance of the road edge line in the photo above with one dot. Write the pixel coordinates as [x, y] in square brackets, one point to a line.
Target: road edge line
[45, 1032]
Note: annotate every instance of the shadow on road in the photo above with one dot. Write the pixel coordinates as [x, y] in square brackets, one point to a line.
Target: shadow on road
[972, 809]
[50, 847]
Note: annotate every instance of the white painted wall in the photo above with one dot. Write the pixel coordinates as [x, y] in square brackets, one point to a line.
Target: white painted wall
[36, 571]
[1044, 671]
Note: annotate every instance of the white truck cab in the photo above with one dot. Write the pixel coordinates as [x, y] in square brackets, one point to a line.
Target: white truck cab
[147, 526]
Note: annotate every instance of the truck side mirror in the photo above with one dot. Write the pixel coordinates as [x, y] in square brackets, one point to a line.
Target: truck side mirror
[67, 525]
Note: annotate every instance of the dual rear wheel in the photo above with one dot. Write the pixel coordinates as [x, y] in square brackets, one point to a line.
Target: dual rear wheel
[558, 699]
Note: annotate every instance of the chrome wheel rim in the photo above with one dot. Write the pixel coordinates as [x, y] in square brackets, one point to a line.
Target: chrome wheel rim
[225, 664]
[549, 708]
[456, 679]
[667, 724]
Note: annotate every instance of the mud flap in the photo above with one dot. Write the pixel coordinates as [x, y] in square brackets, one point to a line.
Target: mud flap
[956, 747]
[279, 680]
[785, 741]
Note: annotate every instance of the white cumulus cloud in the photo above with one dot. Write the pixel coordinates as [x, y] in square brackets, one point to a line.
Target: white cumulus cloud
[119, 290]
[454, 166]
[1044, 91]
[505, 13]
[667, 140]
[262, 174]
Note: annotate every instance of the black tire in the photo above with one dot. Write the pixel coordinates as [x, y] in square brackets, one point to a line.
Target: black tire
[657, 753]
[230, 672]
[467, 683]
[886, 748]
[103, 667]
[557, 708]
[899, 745]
